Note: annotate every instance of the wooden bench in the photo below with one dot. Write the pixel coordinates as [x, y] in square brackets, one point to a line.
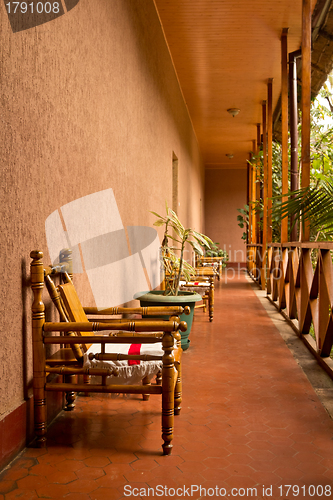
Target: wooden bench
[77, 356]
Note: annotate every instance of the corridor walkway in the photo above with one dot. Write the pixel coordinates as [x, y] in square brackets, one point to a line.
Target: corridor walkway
[250, 425]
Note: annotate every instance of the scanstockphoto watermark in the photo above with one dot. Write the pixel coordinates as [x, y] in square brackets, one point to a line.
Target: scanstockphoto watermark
[188, 492]
[262, 491]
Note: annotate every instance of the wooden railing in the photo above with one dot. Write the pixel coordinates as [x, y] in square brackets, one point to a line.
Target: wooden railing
[299, 281]
[254, 260]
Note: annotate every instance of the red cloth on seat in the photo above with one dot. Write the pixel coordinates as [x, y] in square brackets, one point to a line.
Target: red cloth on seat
[134, 350]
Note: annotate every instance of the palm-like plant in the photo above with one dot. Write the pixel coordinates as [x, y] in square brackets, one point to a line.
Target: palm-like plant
[313, 204]
[175, 267]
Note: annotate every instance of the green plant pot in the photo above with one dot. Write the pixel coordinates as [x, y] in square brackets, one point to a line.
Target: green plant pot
[185, 298]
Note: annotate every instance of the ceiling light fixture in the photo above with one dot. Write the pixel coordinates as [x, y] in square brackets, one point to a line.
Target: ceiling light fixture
[233, 111]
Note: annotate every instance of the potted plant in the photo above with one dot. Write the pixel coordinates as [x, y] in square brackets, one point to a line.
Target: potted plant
[175, 267]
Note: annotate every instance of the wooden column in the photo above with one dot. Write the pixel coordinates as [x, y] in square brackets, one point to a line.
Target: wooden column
[269, 158]
[254, 197]
[265, 184]
[250, 194]
[258, 183]
[248, 197]
[293, 122]
[306, 101]
[284, 108]
[265, 194]
[254, 236]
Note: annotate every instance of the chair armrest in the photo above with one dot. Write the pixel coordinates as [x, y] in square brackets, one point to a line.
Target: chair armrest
[132, 326]
[134, 339]
[146, 311]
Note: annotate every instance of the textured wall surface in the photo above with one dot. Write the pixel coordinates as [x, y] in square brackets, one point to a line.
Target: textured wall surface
[89, 101]
[225, 191]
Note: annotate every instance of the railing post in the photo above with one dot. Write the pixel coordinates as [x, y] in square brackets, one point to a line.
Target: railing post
[306, 102]
[269, 269]
[275, 273]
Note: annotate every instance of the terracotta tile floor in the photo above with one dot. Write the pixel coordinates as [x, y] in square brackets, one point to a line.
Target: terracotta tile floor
[250, 419]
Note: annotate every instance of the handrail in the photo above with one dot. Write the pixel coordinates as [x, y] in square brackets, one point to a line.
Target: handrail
[298, 279]
[325, 245]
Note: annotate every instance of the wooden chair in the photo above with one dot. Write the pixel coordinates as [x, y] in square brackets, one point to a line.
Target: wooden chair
[202, 283]
[216, 263]
[74, 360]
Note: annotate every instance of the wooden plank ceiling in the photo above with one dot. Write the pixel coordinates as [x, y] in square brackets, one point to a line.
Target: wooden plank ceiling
[224, 52]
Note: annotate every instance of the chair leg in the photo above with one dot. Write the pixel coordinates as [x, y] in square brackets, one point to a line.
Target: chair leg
[70, 396]
[211, 301]
[178, 389]
[40, 417]
[145, 381]
[159, 378]
[40, 410]
[167, 393]
[38, 320]
[86, 381]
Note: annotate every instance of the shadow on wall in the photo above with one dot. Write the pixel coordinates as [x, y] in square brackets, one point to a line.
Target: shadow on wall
[27, 385]
[26, 341]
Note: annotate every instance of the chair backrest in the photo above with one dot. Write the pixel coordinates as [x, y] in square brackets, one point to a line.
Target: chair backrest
[72, 304]
[205, 272]
[68, 305]
[74, 309]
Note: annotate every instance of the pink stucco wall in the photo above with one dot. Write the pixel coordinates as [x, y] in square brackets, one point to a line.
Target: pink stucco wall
[225, 191]
[89, 101]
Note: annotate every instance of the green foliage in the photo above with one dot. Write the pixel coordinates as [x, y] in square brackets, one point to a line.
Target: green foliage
[321, 138]
[174, 266]
[257, 164]
[243, 220]
[215, 251]
[313, 204]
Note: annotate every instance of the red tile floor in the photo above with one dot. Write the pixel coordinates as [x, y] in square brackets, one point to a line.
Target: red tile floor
[250, 424]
